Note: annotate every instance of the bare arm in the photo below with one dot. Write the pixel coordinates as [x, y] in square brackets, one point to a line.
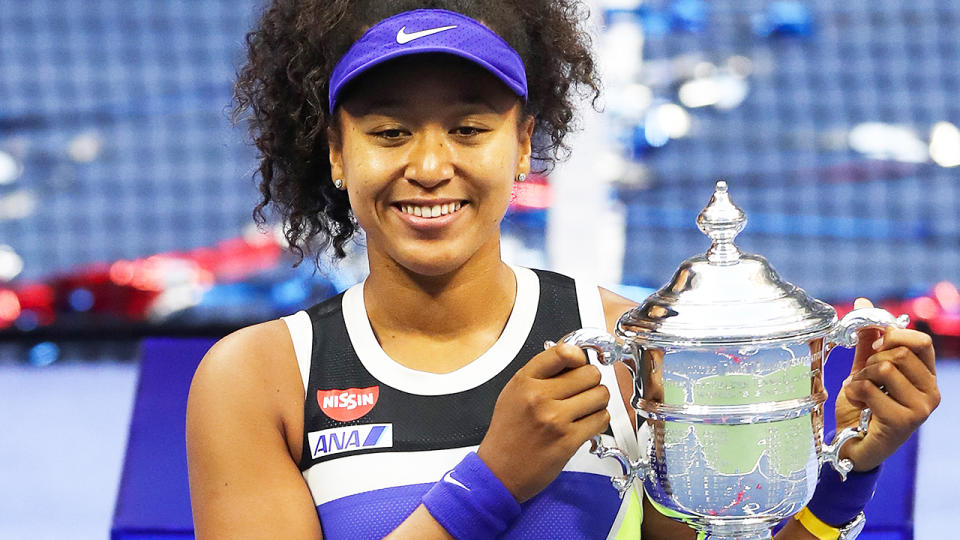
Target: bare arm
[243, 481]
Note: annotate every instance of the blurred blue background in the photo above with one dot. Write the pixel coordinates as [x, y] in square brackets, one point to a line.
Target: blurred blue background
[126, 197]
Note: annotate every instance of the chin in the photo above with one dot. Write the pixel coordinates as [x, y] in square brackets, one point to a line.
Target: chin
[432, 266]
[439, 259]
[442, 257]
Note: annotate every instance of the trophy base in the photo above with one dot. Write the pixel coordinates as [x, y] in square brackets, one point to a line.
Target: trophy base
[733, 531]
[759, 536]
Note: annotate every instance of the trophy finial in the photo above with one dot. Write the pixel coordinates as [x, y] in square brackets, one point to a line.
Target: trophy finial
[722, 220]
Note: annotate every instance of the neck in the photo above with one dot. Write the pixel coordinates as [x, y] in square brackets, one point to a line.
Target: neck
[475, 296]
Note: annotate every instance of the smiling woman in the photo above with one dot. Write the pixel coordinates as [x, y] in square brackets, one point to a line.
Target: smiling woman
[396, 408]
[286, 89]
[451, 137]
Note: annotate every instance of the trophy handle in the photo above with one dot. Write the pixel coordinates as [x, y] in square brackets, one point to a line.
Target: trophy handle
[845, 334]
[831, 452]
[631, 469]
[609, 350]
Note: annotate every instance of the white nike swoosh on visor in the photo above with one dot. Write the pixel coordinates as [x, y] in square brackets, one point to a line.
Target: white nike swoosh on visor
[449, 478]
[403, 37]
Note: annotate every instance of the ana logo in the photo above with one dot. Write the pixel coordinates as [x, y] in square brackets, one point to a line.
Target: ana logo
[348, 404]
[346, 439]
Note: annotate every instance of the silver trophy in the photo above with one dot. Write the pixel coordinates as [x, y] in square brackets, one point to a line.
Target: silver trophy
[728, 364]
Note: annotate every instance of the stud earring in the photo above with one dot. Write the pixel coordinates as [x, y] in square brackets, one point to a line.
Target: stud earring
[338, 183]
[521, 177]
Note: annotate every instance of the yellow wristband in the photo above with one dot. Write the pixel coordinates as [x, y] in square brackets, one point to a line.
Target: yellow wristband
[814, 526]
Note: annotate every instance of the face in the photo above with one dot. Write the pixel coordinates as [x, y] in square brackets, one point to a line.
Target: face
[428, 148]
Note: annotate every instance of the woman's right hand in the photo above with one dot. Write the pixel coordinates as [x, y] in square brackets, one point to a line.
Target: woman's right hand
[545, 413]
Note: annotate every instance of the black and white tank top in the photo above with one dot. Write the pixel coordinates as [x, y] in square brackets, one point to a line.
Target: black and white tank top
[378, 434]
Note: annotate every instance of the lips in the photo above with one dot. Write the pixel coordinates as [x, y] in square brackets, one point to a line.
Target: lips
[430, 210]
[428, 215]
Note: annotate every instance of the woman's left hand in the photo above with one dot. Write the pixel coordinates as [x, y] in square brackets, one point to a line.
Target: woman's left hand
[893, 373]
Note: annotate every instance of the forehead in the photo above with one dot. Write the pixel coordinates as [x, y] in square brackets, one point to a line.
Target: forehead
[427, 80]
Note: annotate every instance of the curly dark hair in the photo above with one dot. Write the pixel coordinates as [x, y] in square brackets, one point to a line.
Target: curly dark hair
[282, 91]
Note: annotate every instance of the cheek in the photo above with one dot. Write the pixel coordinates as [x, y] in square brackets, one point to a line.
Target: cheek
[499, 197]
[367, 174]
[363, 197]
[500, 171]
[498, 162]
[359, 157]
[367, 161]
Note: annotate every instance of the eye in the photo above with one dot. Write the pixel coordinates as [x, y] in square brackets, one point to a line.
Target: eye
[391, 134]
[468, 131]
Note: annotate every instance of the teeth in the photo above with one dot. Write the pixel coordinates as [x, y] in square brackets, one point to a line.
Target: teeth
[436, 210]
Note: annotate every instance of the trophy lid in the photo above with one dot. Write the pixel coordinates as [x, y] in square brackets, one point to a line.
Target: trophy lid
[725, 296]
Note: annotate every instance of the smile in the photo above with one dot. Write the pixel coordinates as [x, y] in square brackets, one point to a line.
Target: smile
[430, 211]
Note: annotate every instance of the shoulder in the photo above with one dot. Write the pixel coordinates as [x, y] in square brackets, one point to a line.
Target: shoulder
[614, 306]
[251, 372]
[253, 354]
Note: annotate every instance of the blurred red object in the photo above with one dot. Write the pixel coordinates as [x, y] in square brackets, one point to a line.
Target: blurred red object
[938, 310]
[131, 289]
[937, 313]
[534, 193]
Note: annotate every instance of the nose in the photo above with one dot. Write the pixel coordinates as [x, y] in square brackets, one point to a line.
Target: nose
[430, 161]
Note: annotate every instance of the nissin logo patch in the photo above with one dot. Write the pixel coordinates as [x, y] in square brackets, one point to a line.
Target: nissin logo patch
[346, 439]
[348, 404]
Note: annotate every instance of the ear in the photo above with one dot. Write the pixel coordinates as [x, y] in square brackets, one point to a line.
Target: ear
[525, 135]
[335, 144]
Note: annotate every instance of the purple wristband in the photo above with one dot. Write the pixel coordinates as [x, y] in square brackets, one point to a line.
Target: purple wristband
[470, 502]
[837, 502]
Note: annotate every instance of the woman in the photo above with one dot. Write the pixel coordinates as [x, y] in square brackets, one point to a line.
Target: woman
[421, 403]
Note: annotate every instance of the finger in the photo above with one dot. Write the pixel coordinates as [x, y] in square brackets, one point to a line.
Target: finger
[590, 425]
[887, 376]
[907, 362]
[865, 339]
[554, 360]
[574, 381]
[883, 406]
[919, 343]
[586, 403]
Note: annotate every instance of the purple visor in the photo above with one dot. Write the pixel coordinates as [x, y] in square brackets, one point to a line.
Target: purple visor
[430, 31]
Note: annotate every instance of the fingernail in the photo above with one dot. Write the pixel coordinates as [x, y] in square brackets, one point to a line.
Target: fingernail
[878, 343]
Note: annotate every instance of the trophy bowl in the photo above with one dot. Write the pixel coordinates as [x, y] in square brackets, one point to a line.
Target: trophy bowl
[727, 361]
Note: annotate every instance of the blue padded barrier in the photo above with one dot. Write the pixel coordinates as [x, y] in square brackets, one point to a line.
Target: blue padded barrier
[154, 498]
